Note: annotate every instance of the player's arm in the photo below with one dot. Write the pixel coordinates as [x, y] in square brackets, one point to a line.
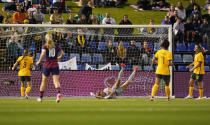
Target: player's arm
[111, 92]
[199, 65]
[15, 65]
[41, 57]
[170, 63]
[61, 55]
[190, 65]
[154, 60]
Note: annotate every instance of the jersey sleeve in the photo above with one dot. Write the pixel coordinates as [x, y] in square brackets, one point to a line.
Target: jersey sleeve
[19, 58]
[156, 55]
[44, 48]
[169, 56]
[32, 61]
[200, 58]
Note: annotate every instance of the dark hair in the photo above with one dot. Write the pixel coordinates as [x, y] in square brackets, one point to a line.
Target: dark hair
[165, 44]
[26, 52]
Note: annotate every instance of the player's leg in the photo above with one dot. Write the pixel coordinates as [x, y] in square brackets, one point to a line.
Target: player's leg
[167, 88]
[155, 87]
[117, 83]
[28, 89]
[125, 85]
[191, 87]
[55, 73]
[22, 87]
[200, 85]
[42, 87]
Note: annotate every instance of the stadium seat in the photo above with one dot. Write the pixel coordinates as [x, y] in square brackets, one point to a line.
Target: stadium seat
[86, 57]
[128, 68]
[126, 44]
[207, 60]
[138, 44]
[148, 68]
[115, 67]
[177, 58]
[80, 67]
[180, 47]
[150, 45]
[191, 47]
[182, 68]
[187, 58]
[97, 58]
[37, 56]
[206, 68]
[72, 55]
[65, 57]
[32, 47]
[156, 46]
[205, 45]
[93, 46]
[102, 46]
[115, 44]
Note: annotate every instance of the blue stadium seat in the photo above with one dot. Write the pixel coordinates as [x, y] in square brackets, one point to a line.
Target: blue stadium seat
[97, 58]
[187, 58]
[37, 56]
[150, 45]
[32, 47]
[205, 45]
[86, 57]
[115, 44]
[126, 44]
[177, 58]
[156, 46]
[65, 57]
[128, 68]
[93, 45]
[115, 67]
[191, 47]
[206, 68]
[138, 44]
[207, 60]
[182, 68]
[102, 46]
[180, 47]
[72, 55]
[148, 68]
[80, 67]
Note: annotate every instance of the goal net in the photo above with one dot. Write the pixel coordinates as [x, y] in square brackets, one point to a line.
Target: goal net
[93, 55]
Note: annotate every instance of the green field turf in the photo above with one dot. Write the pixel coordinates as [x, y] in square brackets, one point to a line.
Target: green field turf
[75, 111]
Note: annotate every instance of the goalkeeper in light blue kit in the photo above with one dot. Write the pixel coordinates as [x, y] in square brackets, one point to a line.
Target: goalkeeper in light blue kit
[116, 89]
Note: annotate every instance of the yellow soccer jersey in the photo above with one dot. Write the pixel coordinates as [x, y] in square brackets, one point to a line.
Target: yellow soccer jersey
[25, 65]
[163, 57]
[199, 58]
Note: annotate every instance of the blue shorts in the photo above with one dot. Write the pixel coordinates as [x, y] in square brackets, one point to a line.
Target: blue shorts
[54, 71]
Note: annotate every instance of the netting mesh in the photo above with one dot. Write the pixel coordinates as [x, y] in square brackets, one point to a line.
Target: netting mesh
[86, 48]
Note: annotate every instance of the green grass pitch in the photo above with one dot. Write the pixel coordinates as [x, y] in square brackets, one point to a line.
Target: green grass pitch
[89, 111]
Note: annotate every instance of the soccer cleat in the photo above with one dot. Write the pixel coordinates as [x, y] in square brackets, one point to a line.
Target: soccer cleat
[123, 65]
[26, 96]
[39, 99]
[199, 98]
[135, 68]
[188, 97]
[152, 99]
[58, 98]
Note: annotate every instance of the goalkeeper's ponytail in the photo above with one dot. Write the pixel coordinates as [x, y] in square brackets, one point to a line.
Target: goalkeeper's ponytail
[49, 41]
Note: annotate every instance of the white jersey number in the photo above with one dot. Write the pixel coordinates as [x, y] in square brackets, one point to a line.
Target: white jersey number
[52, 52]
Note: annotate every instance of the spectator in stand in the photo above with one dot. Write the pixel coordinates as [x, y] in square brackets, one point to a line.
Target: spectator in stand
[44, 5]
[81, 42]
[110, 53]
[174, 17]
[178, 30]
[107, 21]
[10, 6]
[26, 5]
[160, 3]
[205, 31]
[19, 16]
[8, 18]
[144, 4]
[197, 21]
[196, 11]
[166, 21]
[56, 18]
[145, 54]
[151, 30]
[189, 31]
[205, 8]
[181, 11]
[171, 11]
[125, 31]
[12, 52]
[207, 16]
[83, 19]
[39, 16]
[121, 53]
[190, 7]
[71, 20]
[93, 20]
[1, 18]
[31, 18]
[85, 10]
[132, 54]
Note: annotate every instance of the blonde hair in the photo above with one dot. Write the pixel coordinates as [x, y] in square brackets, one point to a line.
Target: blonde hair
[49, 41]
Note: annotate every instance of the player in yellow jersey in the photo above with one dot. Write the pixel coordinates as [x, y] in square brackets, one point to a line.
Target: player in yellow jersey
[26, 63]
[198, 72]
[163, 58]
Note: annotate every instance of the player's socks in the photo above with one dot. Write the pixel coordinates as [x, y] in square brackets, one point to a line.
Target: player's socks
[41, 94]
[191, 91]
[167, 90]
[133, 74]
[154, 89]
[22, 91]
[58, 90]
[28, 89]
[121, 71]
[58, 94]
[201, 93]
